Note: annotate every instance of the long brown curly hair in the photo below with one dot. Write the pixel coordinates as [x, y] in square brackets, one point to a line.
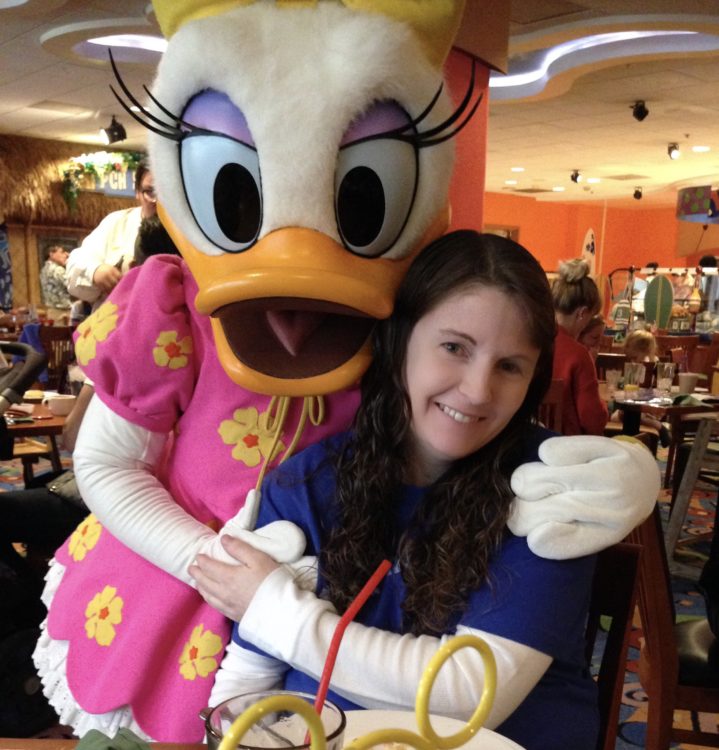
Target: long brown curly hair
[445, 554]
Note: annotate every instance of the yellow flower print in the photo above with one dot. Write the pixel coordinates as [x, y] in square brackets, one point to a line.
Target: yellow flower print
[198, 654]
[170, 352]
[84, 538]
[250, 435]
[103, 613]
[94, 329]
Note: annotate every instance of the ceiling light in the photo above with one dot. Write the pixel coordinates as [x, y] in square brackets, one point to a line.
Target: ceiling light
[637, 194]
[594, 180]
[114, 132]
[576, 176]
[639, 110]
[510, 182]
[701, 149]
[516, 169]
[558, 189]
[673, 151]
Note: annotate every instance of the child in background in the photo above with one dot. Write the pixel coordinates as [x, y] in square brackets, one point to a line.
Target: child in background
[640, 346]
[423, 479]
[591, 335]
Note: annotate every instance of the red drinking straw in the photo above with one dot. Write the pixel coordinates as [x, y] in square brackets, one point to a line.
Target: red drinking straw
[347, 617]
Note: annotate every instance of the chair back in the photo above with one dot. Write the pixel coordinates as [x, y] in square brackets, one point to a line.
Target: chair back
[60, 349]
[550, 410]
[609, 361]
[667, 344]
[614, 594]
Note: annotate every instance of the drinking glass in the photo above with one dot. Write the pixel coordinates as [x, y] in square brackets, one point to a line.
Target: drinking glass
[612, 377]
[665, 377]
[277, 729]
[634, 373]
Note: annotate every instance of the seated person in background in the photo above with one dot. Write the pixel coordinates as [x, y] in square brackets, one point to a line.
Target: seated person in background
[458, 372]
[640, 346]
[591, 335]
[39, 515]
[576, 301]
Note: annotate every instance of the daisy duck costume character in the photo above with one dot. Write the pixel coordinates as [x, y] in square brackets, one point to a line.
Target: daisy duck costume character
[302, 156]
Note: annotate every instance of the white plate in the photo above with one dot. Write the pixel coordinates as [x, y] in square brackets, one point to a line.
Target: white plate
[362, 722]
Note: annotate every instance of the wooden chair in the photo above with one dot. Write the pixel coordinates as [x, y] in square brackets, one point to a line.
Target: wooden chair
[678, 668]
[550, 410]
[686, 344]
[609, 361]
[614, 595]
[60, 349]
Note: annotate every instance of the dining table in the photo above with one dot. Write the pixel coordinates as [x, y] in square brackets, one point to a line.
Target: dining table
[36, 420]
[666, 408]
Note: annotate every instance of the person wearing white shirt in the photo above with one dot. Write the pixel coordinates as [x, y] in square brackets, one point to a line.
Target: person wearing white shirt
[95, 268]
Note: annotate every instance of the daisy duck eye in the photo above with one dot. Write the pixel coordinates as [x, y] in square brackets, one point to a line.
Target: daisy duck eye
[375, 180]
[221, 172]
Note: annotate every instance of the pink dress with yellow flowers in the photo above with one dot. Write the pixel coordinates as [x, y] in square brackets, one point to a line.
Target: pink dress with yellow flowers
[135, 636]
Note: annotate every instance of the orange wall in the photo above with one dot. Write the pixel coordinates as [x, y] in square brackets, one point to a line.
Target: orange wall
[555, 231]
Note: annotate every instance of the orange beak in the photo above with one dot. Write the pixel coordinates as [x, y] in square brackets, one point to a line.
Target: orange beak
[293, 315]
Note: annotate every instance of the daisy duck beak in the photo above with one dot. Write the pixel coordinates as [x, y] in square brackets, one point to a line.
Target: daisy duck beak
[293, 315]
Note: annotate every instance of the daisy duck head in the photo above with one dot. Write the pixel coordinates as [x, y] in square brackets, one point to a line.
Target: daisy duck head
[302, 153]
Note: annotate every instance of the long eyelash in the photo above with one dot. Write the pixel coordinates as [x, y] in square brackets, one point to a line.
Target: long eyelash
[437, 134]
[174, 130]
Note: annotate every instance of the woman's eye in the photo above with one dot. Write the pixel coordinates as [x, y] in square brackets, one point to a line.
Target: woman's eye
[511, 367]
[452, 348]
[221, 177]
[375, 185]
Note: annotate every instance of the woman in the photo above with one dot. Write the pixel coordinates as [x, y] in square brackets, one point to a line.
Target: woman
[423, 479]
[576, 300]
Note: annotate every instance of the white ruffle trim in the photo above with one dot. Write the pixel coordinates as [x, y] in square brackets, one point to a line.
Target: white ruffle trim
[50, 657]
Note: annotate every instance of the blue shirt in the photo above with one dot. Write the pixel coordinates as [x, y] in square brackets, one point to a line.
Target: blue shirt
[534, 601]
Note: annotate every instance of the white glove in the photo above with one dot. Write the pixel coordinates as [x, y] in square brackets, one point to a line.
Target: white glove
[587, 493]
[281, 540]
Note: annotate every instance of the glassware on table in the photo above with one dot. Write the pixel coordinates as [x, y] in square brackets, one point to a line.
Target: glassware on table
[612, 377]
[277, 719]
[634, 373]
[665, 377]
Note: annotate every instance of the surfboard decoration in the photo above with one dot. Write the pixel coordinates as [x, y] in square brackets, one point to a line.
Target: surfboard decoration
[605, 294]
[658, 301]
[589, 251]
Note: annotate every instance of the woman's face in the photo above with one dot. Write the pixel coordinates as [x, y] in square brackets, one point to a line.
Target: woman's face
[469, 364]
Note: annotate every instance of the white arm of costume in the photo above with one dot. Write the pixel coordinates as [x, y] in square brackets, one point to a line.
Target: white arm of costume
[114, 463]
[586, 494]
[244, 671]
[379, 669]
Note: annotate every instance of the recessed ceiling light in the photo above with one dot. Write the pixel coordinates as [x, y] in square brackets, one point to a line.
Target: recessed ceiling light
[132, 41]
[701, 149]
[510, 182]
[593, 180]
[558, 189]
[517, 169]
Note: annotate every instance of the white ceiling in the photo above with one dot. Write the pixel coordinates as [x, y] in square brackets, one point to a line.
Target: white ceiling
[581, 120]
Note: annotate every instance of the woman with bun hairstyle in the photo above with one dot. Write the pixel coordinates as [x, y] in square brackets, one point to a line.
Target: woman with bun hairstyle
[576, 300]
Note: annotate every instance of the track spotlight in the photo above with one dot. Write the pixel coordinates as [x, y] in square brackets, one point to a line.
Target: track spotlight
[637, 193]
[114, 132]
[576, 176]
[639, 110]
[673, 151]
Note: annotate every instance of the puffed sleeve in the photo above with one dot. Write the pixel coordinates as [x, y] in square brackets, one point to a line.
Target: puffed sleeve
[137, 347]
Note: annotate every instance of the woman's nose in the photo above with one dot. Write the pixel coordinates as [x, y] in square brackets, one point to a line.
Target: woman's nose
[476, 385]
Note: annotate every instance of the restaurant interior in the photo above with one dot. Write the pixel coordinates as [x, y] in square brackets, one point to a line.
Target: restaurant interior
[596, 137]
